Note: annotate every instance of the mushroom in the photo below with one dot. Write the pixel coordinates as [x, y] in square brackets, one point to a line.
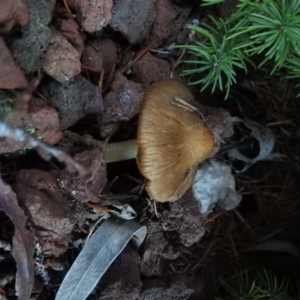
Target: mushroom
[172, 140]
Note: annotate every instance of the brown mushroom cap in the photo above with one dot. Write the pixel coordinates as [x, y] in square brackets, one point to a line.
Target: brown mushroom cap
[171, 140]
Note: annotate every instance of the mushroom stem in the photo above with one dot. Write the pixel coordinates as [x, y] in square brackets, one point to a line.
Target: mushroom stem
[120, 151]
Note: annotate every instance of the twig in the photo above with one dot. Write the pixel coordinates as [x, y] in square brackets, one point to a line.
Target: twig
[67, 7]
[138, 57]
[97, 207]
[45, 151]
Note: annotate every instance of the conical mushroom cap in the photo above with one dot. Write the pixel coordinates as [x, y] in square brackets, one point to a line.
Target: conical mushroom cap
[171, 140]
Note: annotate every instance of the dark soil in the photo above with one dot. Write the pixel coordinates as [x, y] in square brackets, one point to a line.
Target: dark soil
[73, 74]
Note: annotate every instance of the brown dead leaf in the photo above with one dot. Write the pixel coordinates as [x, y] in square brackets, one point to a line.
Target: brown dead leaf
[22, 242]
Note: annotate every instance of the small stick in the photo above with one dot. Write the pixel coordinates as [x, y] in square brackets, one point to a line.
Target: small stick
[109, 79]
[43, 97]
[40, 264]
[87, 74]
[183, 104]
[97, 207]
[155, 209]
[138, 57]
[43, 149]
[100, 83]
[84, 230]
[67, 7]
[179, 61]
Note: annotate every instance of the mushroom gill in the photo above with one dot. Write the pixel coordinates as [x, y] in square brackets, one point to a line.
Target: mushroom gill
[172, 140]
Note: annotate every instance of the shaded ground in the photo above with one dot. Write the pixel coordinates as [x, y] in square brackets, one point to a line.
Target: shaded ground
[74, 74]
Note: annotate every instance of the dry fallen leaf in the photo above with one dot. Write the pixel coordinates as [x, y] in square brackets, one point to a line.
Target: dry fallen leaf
[98, 254]
[265, 139]
[23, 246]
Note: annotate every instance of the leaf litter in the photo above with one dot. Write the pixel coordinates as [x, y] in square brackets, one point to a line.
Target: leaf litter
[22, 243]
[265, 139]
[93, 260]
[184, 237]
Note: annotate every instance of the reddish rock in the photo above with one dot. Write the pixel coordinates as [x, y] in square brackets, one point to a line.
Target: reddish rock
[170, 19]
[45, 124]
[71, 31]
[100, 55]
[133, 19]
[37, 191]
[53, 217]
[92, 15]
[220, 123]
[92, 59]
[74, 99]
[88, 187]
[12, 12]
[150, 69]
[61, 60]
[123, 101]
[11, 77]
